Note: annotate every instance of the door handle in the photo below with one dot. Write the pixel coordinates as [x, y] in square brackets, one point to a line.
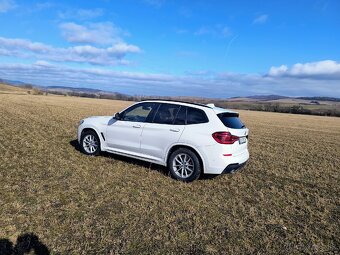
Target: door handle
[136, 126]
[174, 129]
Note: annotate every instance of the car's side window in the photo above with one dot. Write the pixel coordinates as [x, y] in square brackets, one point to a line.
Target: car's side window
[166, 114]
[139, 112]
[196, 116]
[181, 116]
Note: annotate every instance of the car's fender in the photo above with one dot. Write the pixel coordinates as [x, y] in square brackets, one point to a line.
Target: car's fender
[195, 148]
[99, 132]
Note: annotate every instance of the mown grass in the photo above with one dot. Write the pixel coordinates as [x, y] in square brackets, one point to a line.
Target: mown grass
[285, 201]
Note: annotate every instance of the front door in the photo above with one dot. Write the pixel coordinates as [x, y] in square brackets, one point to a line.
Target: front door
[124, 135]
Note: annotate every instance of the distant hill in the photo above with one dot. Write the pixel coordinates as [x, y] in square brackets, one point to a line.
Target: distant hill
[89, 92]
[84, 90]
[267, 97]
[324, 106]
[332, 99]
[14, 83]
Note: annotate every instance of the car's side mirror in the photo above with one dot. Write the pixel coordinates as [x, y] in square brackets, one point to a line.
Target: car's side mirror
[118, 116]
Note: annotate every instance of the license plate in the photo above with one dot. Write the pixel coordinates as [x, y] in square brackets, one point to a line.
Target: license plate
[242, 139]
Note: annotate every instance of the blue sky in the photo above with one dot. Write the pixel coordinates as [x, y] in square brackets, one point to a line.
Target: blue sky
[179, 48]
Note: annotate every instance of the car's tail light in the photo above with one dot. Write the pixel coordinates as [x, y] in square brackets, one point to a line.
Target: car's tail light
[225, 137]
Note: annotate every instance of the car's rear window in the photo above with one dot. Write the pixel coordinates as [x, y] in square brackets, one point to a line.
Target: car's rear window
[231, 120]
[196, 116]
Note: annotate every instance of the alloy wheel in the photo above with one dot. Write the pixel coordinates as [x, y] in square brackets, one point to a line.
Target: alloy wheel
[90, 144]
[183, 165]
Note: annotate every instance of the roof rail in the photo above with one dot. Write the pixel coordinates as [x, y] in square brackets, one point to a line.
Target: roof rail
[176, 101]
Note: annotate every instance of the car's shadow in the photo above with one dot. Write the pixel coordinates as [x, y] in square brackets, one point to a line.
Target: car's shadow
[161, 169]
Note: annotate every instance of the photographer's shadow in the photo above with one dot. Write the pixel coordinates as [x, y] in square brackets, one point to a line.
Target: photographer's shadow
[25, 244]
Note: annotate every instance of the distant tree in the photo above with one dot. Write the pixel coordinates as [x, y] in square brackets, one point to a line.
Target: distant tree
[36, 91]
[28, 86]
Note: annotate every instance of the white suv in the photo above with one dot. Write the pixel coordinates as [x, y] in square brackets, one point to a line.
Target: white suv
[190, 139]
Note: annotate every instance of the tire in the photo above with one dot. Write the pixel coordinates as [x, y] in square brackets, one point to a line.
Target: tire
[192, 166]
[90, 143]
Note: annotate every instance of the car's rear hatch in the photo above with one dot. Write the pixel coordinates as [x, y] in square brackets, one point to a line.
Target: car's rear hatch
[235, 126]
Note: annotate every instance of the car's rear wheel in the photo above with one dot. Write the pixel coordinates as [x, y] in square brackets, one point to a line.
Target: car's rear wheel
[90, 143]
[184, 165]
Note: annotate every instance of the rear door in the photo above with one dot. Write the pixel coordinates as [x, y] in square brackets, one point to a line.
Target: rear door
[165, 130]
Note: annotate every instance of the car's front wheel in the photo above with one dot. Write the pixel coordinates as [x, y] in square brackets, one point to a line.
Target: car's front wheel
[184, 165]
[90, 143]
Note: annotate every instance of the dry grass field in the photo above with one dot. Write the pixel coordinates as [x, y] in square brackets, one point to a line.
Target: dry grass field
[7, 89]
[285, 201]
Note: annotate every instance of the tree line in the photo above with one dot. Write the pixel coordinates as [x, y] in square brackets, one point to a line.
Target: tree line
[263, 106]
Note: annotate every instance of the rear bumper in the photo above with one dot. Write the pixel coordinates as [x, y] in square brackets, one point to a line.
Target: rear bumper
[219, 159]
[232, 168]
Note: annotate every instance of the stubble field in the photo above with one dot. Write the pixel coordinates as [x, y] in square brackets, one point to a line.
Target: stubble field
[285, 201]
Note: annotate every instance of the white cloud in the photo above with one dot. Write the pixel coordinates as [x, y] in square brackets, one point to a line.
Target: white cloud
[261, 19]
[6, 5]
[276, 71]
[113, 55]
[201, 83]
[326, 69]
[81, 14]
[94, 33]
[43, 63]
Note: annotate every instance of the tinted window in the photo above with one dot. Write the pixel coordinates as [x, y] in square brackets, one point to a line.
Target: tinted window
[166, 114]
[138, 112]
[181, 116]
[196, 116]
[231, 120]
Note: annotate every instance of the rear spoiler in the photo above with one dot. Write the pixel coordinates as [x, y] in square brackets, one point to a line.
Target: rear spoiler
[229, 114]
